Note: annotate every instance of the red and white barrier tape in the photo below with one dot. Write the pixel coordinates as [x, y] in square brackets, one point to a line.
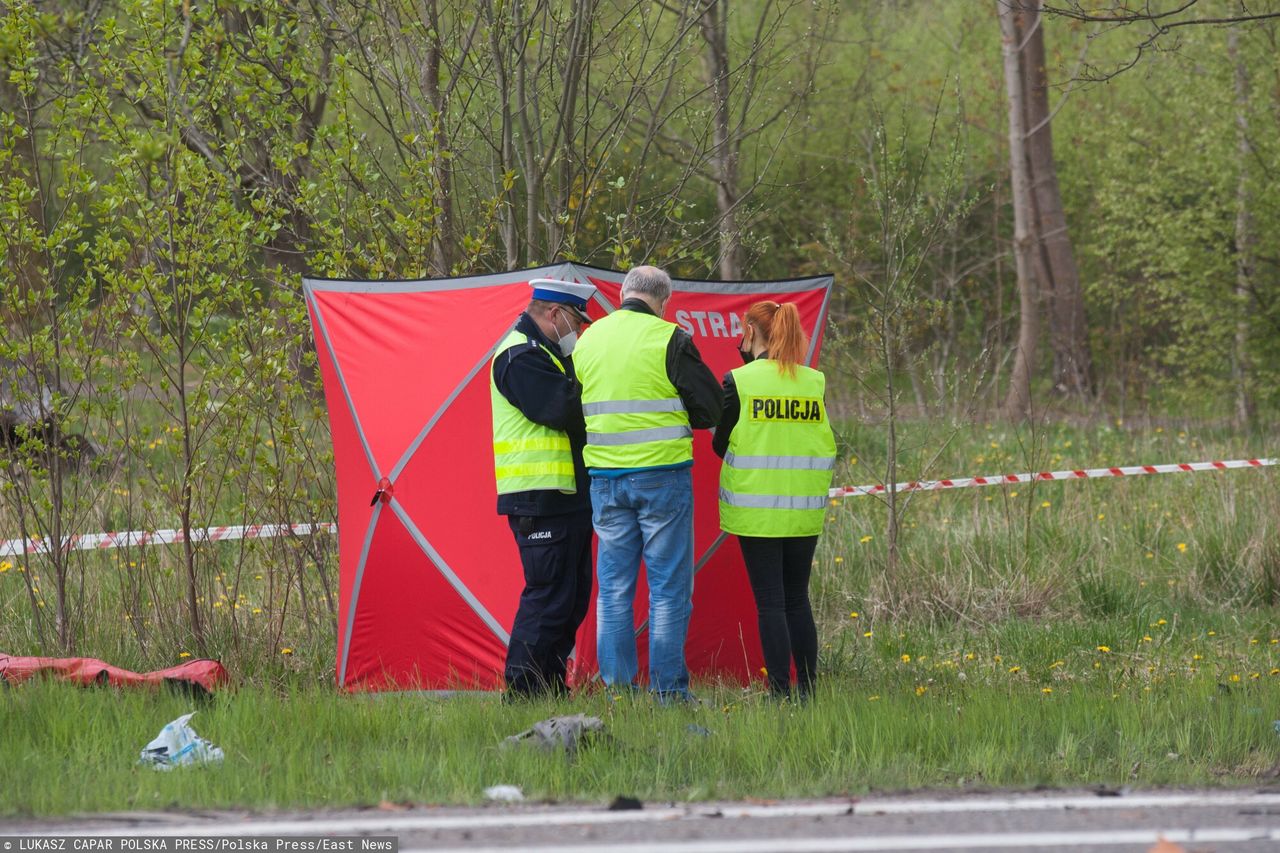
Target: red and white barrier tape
[1044, 476]
[136, 538]
[128, 538]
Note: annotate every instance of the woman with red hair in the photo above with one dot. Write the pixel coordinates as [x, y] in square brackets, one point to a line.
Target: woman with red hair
[779, 454]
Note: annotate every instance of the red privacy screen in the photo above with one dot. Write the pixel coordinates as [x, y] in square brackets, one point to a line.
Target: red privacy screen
[429, 574]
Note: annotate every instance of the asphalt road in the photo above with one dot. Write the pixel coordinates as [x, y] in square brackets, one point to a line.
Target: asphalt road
[1233, 821]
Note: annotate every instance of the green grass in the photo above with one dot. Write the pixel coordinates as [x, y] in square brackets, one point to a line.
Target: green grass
[1101, 632]
[1018, 705]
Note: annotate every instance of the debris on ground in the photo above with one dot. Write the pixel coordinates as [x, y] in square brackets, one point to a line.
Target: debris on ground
[569, 733]
[623, 803]
[503, 794]
[178, 745]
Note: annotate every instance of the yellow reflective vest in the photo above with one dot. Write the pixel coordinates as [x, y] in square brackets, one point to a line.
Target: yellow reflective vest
[527, 456]
[635, 418]
[781, 456]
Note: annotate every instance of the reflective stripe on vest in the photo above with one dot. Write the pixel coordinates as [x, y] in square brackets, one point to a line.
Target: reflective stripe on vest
[772, 501]
[631, 407]
[527, 456]
[781, 455]
[780, 463]
[635, 418]
[638, 436]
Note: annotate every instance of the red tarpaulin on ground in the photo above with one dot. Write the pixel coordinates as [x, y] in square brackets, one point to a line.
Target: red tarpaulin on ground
[207, 674]
[429, 573]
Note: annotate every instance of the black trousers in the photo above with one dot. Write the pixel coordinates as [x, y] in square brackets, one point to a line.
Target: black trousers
[778, 569]
[555, 552]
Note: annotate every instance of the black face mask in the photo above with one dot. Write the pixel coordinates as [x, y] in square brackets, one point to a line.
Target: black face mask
[747, 357]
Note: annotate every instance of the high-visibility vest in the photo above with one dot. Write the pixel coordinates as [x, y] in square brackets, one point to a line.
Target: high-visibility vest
[781, 455]
[527, 456]
[635, 418]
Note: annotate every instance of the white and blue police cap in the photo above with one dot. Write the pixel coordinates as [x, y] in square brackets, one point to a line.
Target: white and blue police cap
[568, 293]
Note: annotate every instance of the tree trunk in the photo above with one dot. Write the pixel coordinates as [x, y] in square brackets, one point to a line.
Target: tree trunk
[1244, 405]
[1068, 335]
[724, 152]
[444, 245]
[1018, 400]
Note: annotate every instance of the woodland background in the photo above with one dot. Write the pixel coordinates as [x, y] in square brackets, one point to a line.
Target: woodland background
[1032, 215]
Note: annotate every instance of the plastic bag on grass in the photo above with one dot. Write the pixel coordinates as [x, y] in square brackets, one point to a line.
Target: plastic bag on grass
[569, 733]
[178, 745]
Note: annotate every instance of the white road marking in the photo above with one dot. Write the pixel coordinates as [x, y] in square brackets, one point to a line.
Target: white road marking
[970, 841]
[519, 817]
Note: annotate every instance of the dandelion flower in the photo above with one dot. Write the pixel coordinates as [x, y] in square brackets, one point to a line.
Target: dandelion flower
[921, 689]
[1146, 638]
[1233, 678]
[839, 559]
[1197, 657]
[906, 658]
[1162, 622]
[864, 540]
[286, 651]
[970, 656]
[866, 633]
[1056, 664]
[1046, 690]
[1013, 494]
[1104, 649]
[184, 654]
[1182, 547]
[1101, 516]
[1045, 505]
[875, 698]
[5, 566]
[1150, 556]
[853, 614]
[1274, 672]
[1014, 670]
[997, 659]
[1213, 633]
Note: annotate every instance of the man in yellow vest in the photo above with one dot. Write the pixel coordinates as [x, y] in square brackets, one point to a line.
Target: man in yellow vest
[538, 436]
[645, 389]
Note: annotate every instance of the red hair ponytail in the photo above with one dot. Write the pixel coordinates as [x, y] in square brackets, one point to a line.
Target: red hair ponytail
[786, 341]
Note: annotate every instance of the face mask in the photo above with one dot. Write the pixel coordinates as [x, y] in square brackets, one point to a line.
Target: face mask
[566, 341]
[747, 356]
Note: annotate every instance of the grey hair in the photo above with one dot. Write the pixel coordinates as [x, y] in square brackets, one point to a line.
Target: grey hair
[647, 281]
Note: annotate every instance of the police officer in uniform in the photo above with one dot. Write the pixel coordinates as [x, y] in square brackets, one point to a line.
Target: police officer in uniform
[779, 454]
[538, 436]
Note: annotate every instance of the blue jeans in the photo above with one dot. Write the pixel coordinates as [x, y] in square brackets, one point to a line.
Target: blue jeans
[649, 514]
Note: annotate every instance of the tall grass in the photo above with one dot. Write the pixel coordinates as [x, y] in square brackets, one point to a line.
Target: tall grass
[1112, 632]
[942, 719]
[1065, 553]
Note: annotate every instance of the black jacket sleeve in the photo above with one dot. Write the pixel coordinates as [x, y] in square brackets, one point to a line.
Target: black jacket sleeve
[694, 381]
[526, 376]
[732, 410]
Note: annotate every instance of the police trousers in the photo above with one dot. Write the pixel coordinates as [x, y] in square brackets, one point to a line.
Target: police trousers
[555, 552]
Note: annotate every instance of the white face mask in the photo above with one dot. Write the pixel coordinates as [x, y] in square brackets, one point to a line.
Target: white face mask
[566, 341]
